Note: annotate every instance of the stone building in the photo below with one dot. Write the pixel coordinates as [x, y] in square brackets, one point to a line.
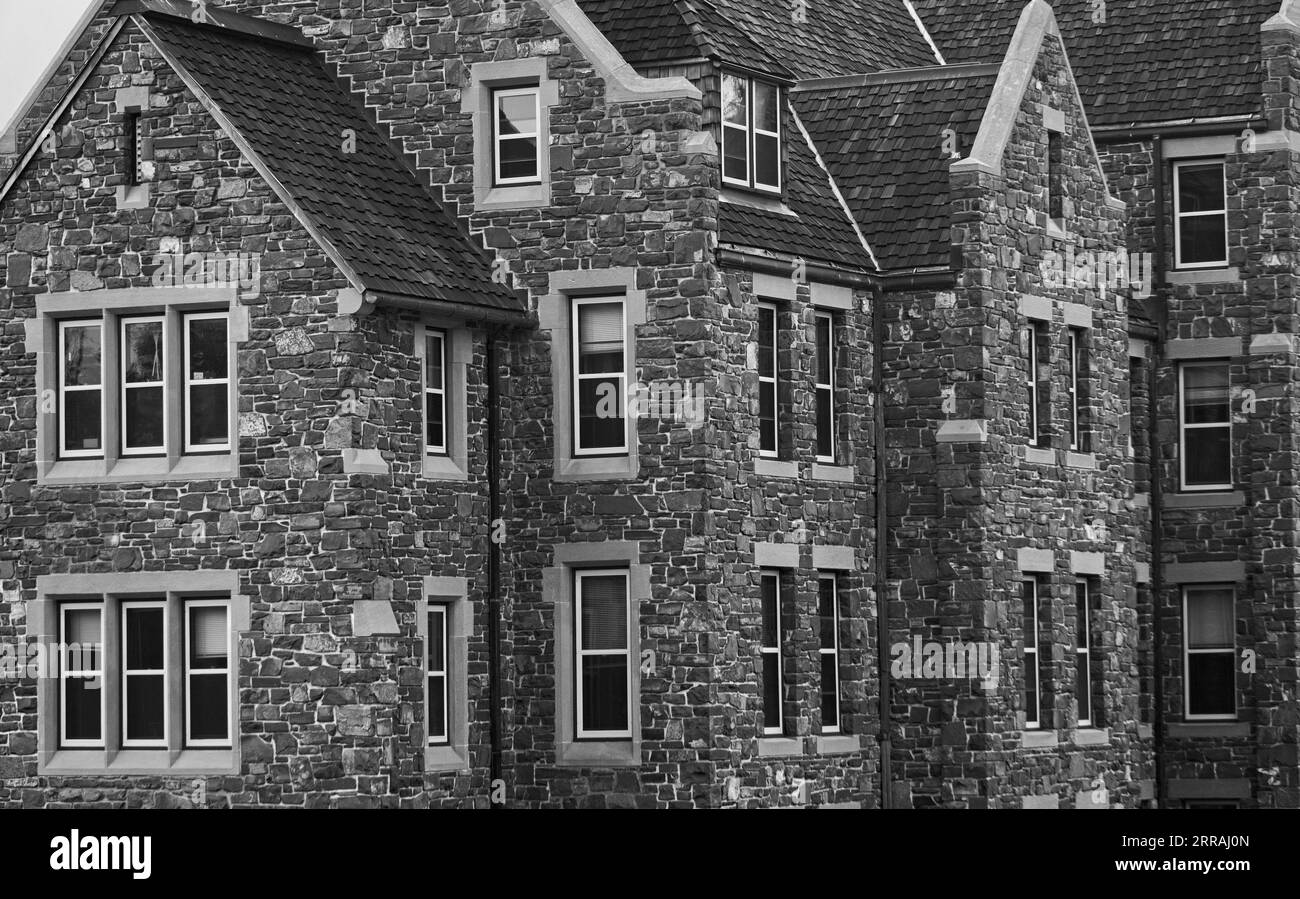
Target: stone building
[671, 403]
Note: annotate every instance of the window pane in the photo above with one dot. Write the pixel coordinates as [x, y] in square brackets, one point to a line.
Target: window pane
[516, 114]
[771, 612]
[604, 612]
[735, 153]
[81, 356]
[766, 342]
[433, 362]
[82, 424]
[600, 338]
[1082, 635]
[829, 691]
[1210, 619]
[767, 416]
[1205, 394]
[1202, 238]
[437, 641]
[208, 637]
[771, 690]
[144, 707]
[142, 354]
[826, 611]
[518, 158]
[209, 414]
[208, 707]
[1208, 456]
[1031, 688]
[1200, 188]
[435, 435]
[81, 712]
[824, 362]
[1210, 684]
[733, 100]
[767, 160]
[144, 417]
[604, 693]
[766, 108]
[437, 707]
[208, 349]
[82, 628]
[145, 639]
[824, 443]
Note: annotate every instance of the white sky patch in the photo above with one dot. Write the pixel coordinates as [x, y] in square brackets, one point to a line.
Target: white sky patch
[31, 34]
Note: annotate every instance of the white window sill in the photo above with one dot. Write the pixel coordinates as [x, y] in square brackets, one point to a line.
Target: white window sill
[775, 468]
[133, 197]
[515, 196]
[445, 759]
[1086, 461]
[840, 473]
[1204, 500]
[444, 468]
[133, 470]
[1038, 739]
[189, 762]
[779, 746]
[598, 754]
[1055, 228]
[1223, 275]
[1091, 736]
[598, 468]
[1038, 455]
[834, 744]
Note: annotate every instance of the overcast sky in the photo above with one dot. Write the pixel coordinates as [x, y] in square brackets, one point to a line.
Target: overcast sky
[31, 32]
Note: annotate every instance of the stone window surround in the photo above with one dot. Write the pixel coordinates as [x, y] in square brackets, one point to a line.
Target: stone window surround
[129, 100]
[476, 102]
[554, 312]
[1053, 123]
[1042, 310]
[458, 348]
[42, 335]
[175, 761]
[1189, 148]
[825, 297]
[451, 592]
[557, 589]
[1184, 583]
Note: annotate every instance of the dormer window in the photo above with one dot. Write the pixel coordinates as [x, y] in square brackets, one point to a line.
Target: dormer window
[751, 133]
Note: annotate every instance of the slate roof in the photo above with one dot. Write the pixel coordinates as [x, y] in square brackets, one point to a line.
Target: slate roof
[882, 139]
[368, 205]
[1149, 61]
[840, 37]
[819, 229]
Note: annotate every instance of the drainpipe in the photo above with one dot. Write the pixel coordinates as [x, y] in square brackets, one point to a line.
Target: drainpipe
[882, 545]
[1159, 317]
[494, 563]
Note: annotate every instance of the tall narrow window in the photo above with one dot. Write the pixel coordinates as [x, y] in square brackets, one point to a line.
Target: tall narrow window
[435, 392]
[144, 383]
[599, 377]
[207, 673]
[439, 734]
[770, 651]
[751, 133]
[135, 148]
[144, 673]
[1056, 176]
[604, 658]
[1031, 383]
[829, 614]
[207, 383]
[825, 386]
[1206, 423]
[1075, 363]
[81, 389]
[1083, 652]
[515, 137]
[1210, 656]
[1200, 215]
[1029, 601]
[768, 399]
[81, 675]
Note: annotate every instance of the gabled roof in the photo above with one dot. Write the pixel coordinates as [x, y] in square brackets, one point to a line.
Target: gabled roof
[813, 224]
[882, 137]
[1148, 61]
[839, 37]
[269, 90]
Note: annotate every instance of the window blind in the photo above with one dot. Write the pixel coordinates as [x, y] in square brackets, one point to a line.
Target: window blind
[208, 632]
[604, 612]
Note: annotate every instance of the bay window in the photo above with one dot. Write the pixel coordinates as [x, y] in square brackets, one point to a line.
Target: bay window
[751, 133]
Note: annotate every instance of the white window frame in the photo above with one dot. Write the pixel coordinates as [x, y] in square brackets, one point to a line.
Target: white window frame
[66, 672]
[64, 389]
[770, 729]
[621, 375]
[1083, 650]
[187, 375]
[772, 383]
[187, 607]
[123, 610]
[1179, 215]
[497, 138]
[579, 576]
[751, 133]
[827, 387]
[1075, 347]
[1030, 654]
[428, 335]
[833, 650]
[123, 323]
[443, 610]
[1184, 426]
[1032, 334]
[1188, 652]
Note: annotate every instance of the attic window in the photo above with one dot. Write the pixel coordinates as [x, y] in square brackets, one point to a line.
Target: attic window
[751, 133]
[135, 149]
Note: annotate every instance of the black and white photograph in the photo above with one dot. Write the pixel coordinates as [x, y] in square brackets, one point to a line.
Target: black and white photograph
[433, 405]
